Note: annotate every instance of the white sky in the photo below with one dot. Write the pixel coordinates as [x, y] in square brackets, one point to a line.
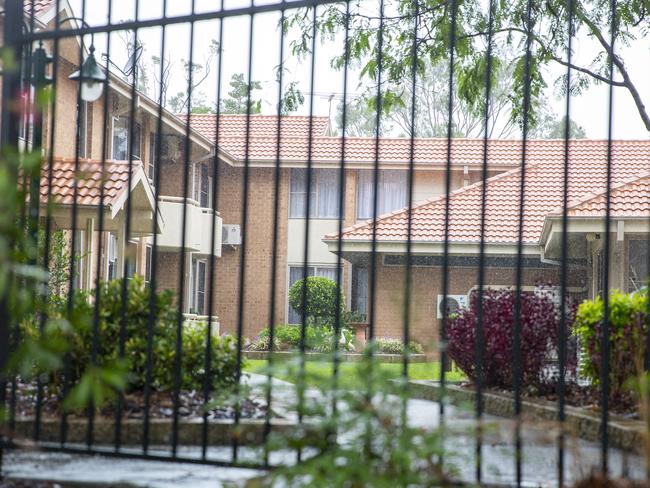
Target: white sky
[590, 109]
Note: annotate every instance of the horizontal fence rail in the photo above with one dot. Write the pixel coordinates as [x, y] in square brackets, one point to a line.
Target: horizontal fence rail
[190, 190]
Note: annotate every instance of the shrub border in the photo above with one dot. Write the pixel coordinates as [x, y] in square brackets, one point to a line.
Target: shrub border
[623, 433]
[346, 356]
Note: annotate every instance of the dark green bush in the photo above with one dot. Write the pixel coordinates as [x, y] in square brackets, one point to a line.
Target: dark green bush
[194, 336]
[627, 332]
[321, 300]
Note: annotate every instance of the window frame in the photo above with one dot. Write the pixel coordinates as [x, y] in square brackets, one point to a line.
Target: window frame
[314, 207]
[382, 194]
[195, 289]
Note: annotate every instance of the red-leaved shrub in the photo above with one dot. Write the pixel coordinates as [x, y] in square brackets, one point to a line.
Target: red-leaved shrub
[539, 324]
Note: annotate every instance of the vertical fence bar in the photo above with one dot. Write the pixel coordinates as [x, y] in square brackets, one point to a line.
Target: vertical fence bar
[406, 312]
[153, 283]
[308, 208]
[100, 232]
[341, 217]
[244, 223]
[43, 315]
[207, 387]
[375, 189]
[480, 340]
[442, 348]
[605, 339]
[127, 229]
[516, 346]
[562, 334]
[274, 243]
[63, 430]
[9, 146]
[178, 357]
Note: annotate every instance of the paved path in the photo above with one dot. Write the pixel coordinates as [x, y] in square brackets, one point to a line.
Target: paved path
[539, 455]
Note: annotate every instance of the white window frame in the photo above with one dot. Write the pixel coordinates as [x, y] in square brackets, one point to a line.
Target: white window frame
[112, 254]
[148, 263]
[314, 206]
[137, 128]
[194, 285]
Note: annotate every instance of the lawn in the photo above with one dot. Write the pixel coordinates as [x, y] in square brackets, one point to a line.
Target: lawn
[319, 373]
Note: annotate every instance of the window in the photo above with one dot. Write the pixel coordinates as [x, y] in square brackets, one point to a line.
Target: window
[392, 192]
[121, 128]
[323, 198]
[359, 292]
[148, 253]
[297, 273]
[151, 169]
[198, 286]
[112, 257]
[201, 184]
[83, 130]
[637, 264]
[131, 259]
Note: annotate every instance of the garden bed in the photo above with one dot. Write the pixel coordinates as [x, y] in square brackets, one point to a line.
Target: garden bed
[585, 423]
[344, 356]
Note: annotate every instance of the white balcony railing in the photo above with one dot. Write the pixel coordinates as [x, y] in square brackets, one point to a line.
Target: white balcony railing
[198, 226]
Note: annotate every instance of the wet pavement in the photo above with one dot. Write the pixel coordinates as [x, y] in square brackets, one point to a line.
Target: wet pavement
[539, 459]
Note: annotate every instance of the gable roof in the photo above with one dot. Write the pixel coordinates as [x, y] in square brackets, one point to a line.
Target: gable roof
[543, 196]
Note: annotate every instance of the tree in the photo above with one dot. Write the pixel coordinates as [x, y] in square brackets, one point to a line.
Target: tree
[554, 128]
[432, 95]
[240, 97]
[526, 40]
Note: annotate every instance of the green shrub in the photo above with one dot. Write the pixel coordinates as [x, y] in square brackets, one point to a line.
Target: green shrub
[627, 332]
[317, 339]
[321, 300]
[386, 345]
[223, 363]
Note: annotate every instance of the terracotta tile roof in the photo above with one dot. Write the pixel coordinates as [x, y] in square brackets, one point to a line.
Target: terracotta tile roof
[543, 192]
[396, 150]
[261, 126]
[628, 199]
[89, 181]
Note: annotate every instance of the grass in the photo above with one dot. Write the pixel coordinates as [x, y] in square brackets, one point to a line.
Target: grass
[319, 373]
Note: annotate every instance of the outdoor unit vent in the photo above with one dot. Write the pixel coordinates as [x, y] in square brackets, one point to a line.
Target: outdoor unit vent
[454, 303]
[231, 235]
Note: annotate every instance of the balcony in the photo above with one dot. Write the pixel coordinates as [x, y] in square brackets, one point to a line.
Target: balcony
[198, 226]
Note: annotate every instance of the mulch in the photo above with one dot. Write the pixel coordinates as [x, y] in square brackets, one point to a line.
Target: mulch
[191, 405]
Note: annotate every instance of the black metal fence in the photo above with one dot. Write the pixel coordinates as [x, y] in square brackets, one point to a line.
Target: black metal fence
[42, 127]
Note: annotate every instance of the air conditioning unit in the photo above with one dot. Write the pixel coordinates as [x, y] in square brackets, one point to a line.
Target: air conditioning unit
[454, 303]
[231, 235]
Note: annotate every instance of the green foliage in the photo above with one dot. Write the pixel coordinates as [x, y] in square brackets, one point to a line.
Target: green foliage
[548, 35]
[385, 345]
[316, 297]
[135, 321]
[317, 339]
[627, 332]
[240, 97]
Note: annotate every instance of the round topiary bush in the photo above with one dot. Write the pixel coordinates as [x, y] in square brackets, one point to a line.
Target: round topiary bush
[539, 322]
[316, 297]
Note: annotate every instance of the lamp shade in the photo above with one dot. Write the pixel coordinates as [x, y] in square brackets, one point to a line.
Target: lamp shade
[92, 78]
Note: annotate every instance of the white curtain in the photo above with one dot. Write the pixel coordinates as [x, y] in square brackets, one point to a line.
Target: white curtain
[328, 193]
[392, 187]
